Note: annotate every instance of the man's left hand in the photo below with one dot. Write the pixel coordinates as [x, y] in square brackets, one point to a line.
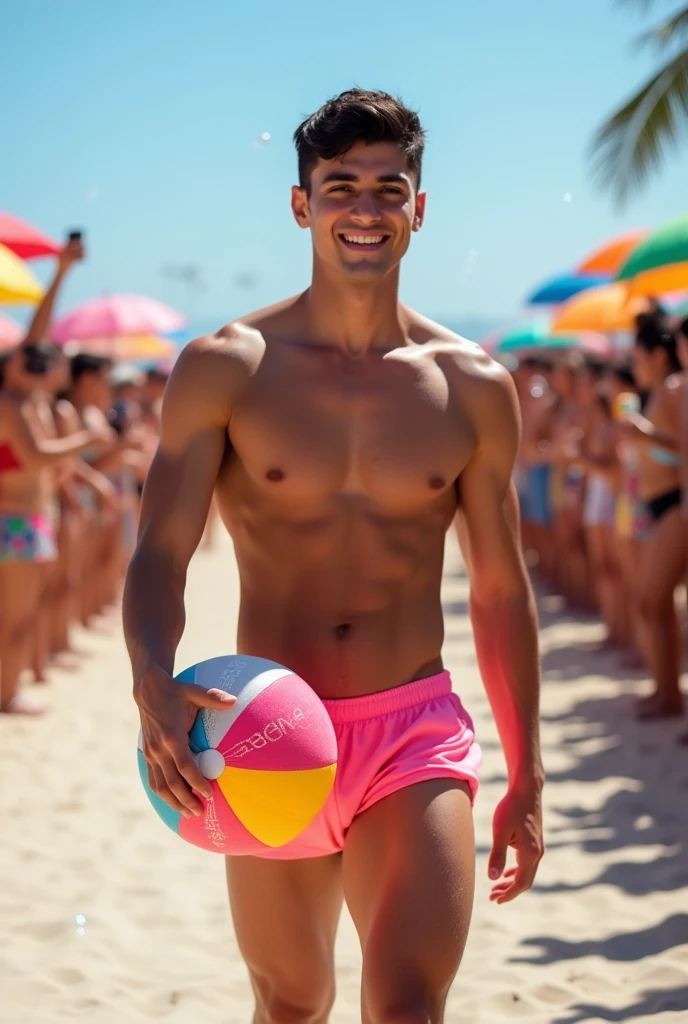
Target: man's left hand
[517, 822]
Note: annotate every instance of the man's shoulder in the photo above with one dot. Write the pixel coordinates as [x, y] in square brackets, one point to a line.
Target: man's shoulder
[237, 345]
[465, 361]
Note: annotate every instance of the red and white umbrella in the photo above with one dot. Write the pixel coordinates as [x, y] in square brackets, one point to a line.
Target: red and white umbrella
[24, 240]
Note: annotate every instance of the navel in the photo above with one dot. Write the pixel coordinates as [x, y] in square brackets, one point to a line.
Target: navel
[275, 475]
[437, 482]
[342, 630]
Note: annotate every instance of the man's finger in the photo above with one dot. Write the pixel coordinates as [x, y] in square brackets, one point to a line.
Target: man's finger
[213, 698]
[178, 748]
[179, 787]
[189, 770]
[497, 861]
[157, 783]
[524, 877]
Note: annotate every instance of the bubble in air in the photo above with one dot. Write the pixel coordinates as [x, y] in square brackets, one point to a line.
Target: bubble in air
[568, 198]
[80, 920]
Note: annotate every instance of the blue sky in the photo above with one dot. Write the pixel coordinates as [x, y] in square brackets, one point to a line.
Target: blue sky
[139, 121]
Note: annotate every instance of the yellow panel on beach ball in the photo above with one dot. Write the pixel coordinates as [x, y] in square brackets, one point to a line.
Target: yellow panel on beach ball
[275, 807]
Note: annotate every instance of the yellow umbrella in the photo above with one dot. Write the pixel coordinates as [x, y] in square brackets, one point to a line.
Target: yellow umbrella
[127, 348]
[607, 308]
[17, 284]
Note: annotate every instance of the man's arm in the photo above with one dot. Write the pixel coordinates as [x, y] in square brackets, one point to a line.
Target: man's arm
[504, 622]
[174, 509]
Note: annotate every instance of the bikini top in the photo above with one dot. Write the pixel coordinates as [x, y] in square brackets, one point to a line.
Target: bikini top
[8, 460]
[664, 457]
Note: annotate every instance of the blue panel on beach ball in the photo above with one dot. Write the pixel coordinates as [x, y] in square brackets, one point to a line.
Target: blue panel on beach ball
[187, 676]
[170, 817]
[198, 739]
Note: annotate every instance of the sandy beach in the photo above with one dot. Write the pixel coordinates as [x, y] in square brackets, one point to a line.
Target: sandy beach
[603, 936]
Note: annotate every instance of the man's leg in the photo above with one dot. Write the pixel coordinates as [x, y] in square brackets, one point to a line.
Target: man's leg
[408, 869]
[285, 916]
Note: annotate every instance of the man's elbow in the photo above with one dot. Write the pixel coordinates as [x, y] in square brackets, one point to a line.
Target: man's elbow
[501, 589]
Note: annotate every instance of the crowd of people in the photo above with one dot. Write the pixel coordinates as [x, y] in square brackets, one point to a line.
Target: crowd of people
[76, 438]
[602, 475]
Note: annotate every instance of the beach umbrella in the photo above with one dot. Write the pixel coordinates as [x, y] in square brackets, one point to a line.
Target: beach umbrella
[536, 337]
[18, 286]
[607, 308]
[562, 287]
[609, 257]
[115, 315]
[128, 347]
[659, 264]
[11, 333]
[24, 240]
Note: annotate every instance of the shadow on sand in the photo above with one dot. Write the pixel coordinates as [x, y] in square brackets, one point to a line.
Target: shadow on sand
[650, 811]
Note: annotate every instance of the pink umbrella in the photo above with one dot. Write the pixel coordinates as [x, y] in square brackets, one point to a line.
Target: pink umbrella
[25, 240]
[115, 315]
[11, 333]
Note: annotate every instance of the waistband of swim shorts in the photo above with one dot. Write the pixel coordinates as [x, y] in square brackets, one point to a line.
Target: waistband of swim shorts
[372, 705]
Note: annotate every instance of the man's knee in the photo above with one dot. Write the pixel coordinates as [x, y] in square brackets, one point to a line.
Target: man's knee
[278, 1002]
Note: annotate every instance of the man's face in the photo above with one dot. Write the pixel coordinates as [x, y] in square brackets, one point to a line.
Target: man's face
[361, 210]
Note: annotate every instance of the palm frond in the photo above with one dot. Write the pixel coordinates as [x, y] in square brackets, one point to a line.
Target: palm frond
[633, 142]
[667, 32]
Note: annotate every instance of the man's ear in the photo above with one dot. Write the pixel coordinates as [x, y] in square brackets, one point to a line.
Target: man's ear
[299, 206]
[419, 214]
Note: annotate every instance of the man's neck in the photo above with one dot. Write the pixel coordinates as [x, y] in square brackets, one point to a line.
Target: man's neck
[355, 318]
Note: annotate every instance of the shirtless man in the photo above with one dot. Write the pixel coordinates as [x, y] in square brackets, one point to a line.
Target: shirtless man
[343, 434]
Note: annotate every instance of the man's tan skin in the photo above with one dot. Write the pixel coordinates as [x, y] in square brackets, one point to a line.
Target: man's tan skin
[340, 430]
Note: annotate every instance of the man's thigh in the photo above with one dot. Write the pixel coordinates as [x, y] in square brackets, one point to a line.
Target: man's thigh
[285, 916]
[408, 870]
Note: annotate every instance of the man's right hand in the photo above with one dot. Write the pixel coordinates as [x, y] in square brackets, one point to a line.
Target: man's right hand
[168, 710]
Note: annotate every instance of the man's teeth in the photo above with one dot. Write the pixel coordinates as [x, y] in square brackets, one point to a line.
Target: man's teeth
[364, 239]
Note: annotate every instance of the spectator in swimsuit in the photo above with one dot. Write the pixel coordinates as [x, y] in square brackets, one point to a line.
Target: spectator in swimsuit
[29, 455]
[631, 519]
[536, 401]
[567, 484]
[682, 340]
[656, 368]
[599, 464]
[27, 524]
[84, 493]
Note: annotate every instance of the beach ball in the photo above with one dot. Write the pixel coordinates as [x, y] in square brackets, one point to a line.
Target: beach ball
[271, 758]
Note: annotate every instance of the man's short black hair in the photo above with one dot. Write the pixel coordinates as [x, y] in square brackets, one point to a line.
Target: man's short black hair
[358, 115]
[88, 362]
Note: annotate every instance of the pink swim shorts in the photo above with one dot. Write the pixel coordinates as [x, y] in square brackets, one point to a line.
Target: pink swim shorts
[387, 741]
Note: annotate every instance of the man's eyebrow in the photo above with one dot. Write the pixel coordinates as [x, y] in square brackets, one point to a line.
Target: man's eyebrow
[348, 176]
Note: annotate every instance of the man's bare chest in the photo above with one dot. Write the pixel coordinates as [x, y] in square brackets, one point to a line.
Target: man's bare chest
[395, 435]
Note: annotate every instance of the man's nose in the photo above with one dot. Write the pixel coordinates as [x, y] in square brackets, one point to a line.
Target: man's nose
[365, 209]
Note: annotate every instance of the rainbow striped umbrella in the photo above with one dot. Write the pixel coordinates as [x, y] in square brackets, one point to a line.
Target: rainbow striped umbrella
[659, 264]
